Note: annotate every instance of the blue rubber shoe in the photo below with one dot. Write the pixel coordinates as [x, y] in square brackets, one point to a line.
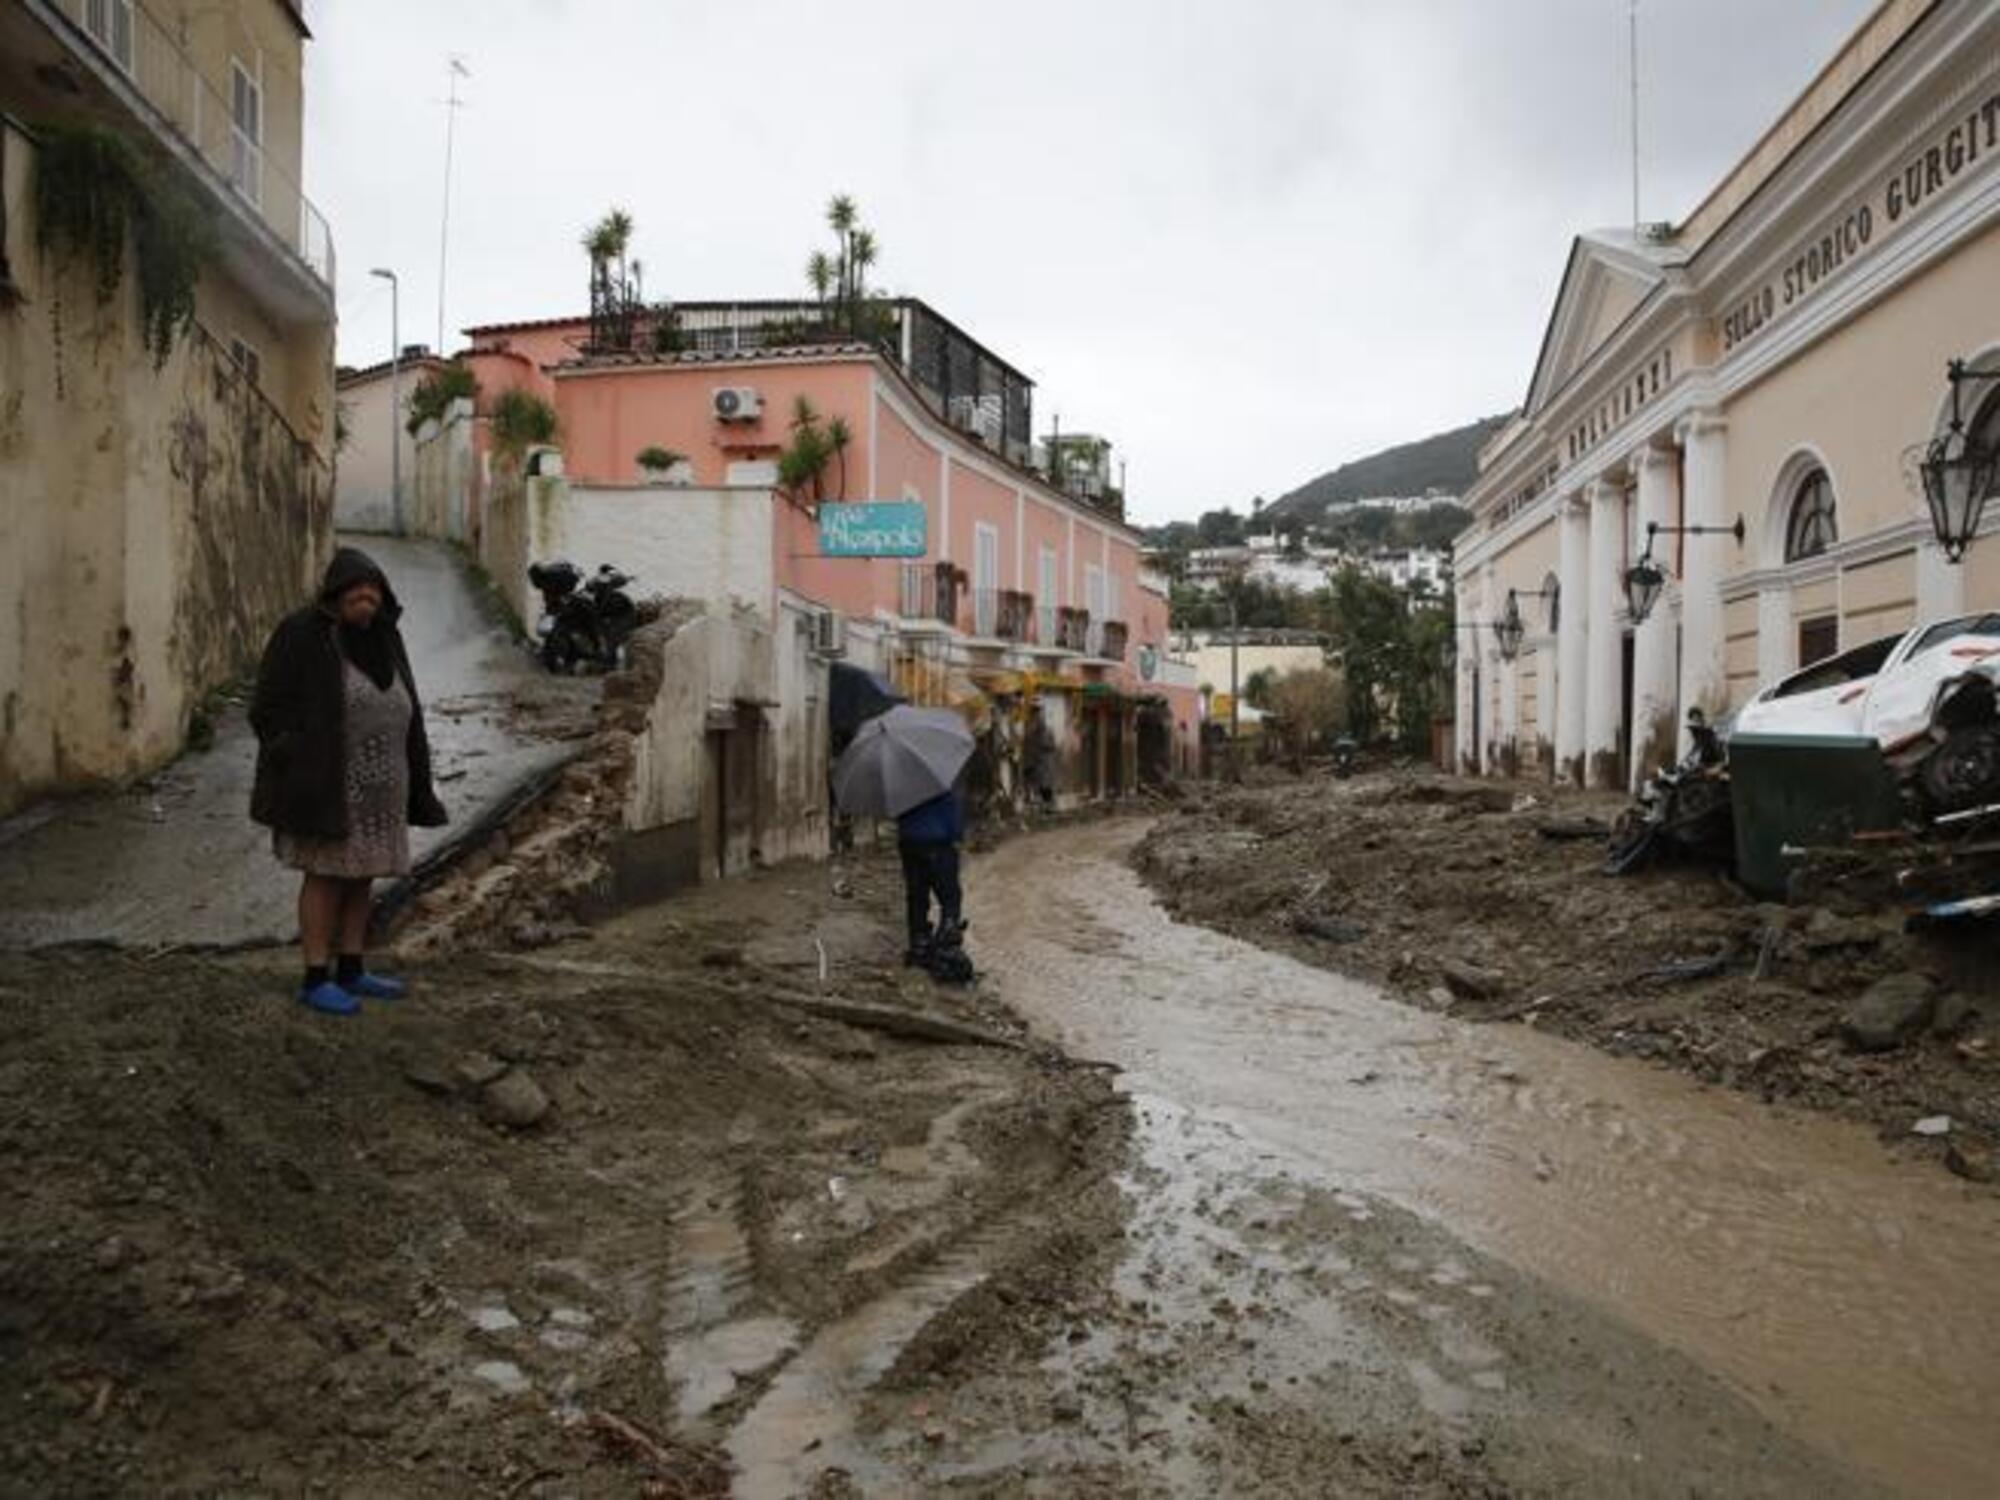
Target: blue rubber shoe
[376, 987]
[330, 999]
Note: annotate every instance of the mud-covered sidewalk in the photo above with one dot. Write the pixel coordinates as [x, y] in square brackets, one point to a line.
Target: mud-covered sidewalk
[585, 1222]
[1481, 899]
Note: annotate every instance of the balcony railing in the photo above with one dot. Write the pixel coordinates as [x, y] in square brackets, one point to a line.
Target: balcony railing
[929, 591]
[1002, 614]
[232, 141]
[1073, 630]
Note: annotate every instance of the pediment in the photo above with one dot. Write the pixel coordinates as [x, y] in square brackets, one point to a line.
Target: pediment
[1602, 286]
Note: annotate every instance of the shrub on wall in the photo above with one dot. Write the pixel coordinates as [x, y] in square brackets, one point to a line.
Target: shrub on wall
[656, 461]
[435, 392]
[521, 420]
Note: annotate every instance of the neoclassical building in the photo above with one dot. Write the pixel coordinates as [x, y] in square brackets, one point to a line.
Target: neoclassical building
[1778, 356]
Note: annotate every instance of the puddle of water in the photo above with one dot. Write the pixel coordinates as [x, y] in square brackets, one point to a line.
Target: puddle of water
[503, 1375]
[711, 1334]
[1850, 1296]
[805, 1422]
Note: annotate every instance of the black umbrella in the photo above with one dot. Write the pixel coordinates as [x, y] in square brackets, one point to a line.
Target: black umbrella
[854, 696]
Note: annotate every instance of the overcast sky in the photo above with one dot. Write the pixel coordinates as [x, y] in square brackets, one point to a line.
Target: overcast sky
[1245, 239]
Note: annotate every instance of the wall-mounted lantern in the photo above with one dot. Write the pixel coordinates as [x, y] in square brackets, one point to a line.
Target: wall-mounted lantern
[1958, 473]
[1645, 580]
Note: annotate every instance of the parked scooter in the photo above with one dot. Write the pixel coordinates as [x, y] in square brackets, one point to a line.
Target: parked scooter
[1682, 810]
[585, 621]
[1344, 751]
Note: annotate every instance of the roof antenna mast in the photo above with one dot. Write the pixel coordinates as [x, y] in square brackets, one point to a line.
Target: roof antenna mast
[1632, 31]
[452, 106]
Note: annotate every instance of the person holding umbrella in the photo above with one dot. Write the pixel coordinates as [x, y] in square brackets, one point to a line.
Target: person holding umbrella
[927, 838]
[904, 764]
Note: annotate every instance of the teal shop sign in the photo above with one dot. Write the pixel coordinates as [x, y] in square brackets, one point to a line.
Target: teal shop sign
[872, 528]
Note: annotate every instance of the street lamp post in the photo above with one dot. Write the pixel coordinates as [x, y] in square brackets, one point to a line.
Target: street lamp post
[395, 399]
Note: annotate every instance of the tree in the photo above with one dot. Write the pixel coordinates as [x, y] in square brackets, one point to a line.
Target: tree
[1257, 687]
[1311, 705]
[615, 303]
[815, 445]
[821, 273]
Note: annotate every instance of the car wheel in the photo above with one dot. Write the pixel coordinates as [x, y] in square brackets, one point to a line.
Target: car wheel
[1965, 770]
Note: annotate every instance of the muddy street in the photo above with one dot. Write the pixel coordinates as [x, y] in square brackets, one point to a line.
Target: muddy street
[1768, 1265]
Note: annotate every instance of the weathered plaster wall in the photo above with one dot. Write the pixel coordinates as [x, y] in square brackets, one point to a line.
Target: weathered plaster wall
[154, 525]
[729, 762]
[707, 544]
[363, 489]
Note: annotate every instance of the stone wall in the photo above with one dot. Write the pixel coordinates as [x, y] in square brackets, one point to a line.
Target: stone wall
[154, 524]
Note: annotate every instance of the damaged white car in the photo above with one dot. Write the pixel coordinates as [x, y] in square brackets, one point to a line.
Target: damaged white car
[1927, 697]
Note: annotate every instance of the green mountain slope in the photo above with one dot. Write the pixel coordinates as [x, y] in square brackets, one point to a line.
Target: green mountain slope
[1447, 461]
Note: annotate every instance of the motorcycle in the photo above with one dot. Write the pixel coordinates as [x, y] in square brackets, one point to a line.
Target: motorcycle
[585, 621]
[1683, 809]
[1344, 750]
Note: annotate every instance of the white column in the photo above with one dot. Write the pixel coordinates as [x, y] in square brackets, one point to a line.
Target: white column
[1501, 755]
[1940, 585]
[1654, 671]
[1604, 648]
[1465, 747]
[1774, 633]
[1572, 632]
[1704, 669]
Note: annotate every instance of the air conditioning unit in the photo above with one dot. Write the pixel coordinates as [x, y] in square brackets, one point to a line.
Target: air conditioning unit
[737, 403]
[829, 633]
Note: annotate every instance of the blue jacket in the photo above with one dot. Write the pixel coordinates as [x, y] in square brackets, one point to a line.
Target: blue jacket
[938, 821]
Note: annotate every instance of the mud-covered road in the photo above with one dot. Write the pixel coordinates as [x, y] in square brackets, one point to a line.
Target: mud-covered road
[1557, 1270]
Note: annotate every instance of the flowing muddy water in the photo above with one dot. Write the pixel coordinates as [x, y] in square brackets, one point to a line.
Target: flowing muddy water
[1851, 1297]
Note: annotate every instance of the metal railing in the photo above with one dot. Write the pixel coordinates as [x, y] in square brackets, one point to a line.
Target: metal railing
[1073, 630]
[1002, 614]
[928, 591]
[136, 44]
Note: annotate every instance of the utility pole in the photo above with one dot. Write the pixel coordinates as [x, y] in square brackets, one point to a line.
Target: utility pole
[452, 106]
[395, 399]
[1235, 696]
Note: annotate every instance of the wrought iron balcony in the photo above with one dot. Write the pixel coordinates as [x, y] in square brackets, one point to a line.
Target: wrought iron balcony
[1002, 614]
[1073, 630]
[929, 592]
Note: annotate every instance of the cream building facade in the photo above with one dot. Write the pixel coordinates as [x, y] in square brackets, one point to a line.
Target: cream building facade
[159, 511]
[1779, 356]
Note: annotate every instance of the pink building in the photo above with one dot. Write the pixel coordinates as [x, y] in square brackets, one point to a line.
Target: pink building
[1034, 596]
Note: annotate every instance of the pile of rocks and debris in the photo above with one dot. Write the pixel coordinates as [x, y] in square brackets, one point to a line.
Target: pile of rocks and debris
[1489, 900]
[553, 1225]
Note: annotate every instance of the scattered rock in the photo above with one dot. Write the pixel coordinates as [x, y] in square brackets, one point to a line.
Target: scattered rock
[513, 1100]
[1891, 1011]
[1825, 931]
[112, 1254]
[1954, 1011]
[477, 1069]
[1066, 1408]
[1329, 929]
[1470, 982]
[1932, 1125]
[430, 1077]
[1972, 1160]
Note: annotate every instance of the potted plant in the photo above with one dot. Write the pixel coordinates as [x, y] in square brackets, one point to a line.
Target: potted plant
[657, 464]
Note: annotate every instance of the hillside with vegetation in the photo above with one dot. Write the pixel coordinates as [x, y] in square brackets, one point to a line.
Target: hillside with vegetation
[1446, 461]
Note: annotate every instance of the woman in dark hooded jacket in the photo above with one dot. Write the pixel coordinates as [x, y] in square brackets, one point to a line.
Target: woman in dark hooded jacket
[343, 769]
